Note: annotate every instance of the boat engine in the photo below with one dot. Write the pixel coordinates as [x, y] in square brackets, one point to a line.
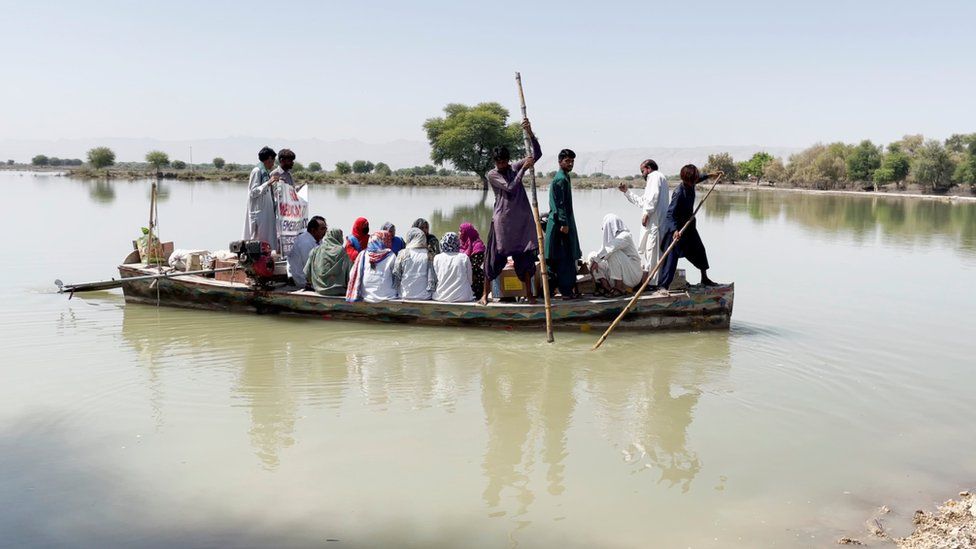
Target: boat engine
[255, 257]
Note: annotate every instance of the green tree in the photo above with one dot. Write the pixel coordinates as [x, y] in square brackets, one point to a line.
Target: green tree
[55, 161]
[314, 167]
[932, 167]
[863, 160]
[298, 167]
[755, 166]
[343, 168]
[362, 166]
[219, 163]
[101, 157]
[382, 169]
[10, 162]
[40, 160]
[157, 159]
[894, 167]
[232, 167]
[179, 165]
[722, 162]
[466, 135]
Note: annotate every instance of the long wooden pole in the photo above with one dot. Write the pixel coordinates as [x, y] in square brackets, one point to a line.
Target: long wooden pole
[118, 282]
[529, 150]
[657, 267]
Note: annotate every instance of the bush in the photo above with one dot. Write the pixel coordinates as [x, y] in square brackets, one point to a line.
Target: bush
[40, 160]
[179, 165]
[219, 163]
[314, 167]
[343, 168]
[382, 169]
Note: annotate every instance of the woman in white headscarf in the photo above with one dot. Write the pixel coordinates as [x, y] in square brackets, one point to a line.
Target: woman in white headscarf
[616, 267]
[414, 271]
[453, 270]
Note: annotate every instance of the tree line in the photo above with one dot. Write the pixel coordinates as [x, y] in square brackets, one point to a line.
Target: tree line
[934, 165]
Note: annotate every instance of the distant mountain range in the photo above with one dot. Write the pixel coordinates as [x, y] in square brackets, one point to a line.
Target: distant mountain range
[398, 154]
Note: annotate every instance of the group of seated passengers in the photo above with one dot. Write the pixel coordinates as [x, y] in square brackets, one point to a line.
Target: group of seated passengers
[380, 266]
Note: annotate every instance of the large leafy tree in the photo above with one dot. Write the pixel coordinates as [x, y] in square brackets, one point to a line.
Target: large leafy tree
[343, 168]
[101, 157]
[362, 166]
[465, 136]
[723, 162]
[932, 167]
[862, 161]
[755, 166]
[157, 159]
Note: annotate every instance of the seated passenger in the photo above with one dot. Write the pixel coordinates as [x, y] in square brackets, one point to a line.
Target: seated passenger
[371, 276]
[327, 270]
[616, 267]
[398, 243]
[304, 243]
[453, 271]
[414, 271]
[473, 247]
[357, 241]
[433, 247]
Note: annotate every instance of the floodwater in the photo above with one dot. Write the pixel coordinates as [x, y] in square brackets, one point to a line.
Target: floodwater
[845, 383]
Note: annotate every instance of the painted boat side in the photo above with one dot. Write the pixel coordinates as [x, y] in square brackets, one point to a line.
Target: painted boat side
[699, 308]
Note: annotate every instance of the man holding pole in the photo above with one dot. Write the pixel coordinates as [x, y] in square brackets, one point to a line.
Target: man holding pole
[689, 245]
[513, 232]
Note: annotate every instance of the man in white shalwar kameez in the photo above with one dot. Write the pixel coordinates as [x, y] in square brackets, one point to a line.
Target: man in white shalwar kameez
[260, 221]
[305, 242]
[654, 204]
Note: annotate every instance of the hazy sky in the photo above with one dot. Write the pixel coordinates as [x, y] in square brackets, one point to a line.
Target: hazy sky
[598, 74]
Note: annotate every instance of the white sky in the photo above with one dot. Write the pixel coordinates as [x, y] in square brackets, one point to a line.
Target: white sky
[598, 75]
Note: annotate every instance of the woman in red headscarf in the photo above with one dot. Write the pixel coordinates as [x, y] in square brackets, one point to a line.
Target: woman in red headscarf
[474, 248]
[357, 241]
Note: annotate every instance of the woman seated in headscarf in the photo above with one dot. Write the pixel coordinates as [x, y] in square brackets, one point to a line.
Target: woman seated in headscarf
[473, 247]
[398, 243]
[433, 247]
[413, 272]
[371, 277]
[616, 267]
[327, 269]
[357, 241]
[453, 271]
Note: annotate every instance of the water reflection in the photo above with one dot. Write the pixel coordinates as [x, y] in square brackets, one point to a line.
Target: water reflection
[101, 191]
[903, 220]
[643, 405]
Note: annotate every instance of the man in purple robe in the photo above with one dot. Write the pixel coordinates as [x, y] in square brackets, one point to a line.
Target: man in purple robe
[513, 232]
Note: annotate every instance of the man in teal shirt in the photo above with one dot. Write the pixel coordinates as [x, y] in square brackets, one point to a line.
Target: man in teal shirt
[562, 243]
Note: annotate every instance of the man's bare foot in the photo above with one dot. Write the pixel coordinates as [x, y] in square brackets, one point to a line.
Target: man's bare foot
[483, 300]
[661, 292]
[533, 301]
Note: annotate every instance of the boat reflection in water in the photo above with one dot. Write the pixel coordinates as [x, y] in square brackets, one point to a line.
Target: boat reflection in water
[528, 403]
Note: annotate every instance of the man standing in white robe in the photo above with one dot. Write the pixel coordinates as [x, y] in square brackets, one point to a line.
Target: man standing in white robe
[654, 204]
[260, 221]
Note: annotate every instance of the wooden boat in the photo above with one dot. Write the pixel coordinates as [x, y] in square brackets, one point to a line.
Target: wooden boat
[694, 309]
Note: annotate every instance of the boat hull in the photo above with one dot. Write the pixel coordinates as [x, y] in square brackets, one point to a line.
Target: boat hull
[696, 309]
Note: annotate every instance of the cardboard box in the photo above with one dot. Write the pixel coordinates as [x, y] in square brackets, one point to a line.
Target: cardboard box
[508, 284]
[229, 276]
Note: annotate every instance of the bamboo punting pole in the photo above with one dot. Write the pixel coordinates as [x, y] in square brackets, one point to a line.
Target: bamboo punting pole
[529, 150]
[117, 283]
[657, 267]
